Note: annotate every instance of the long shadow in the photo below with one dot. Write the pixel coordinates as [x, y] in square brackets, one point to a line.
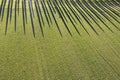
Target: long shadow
[89, 13]
[79, 10]
[0, 11]
[18, 5]
[92, 9]
[110, 13]
[69, 18]
[72, 9]
[39, 18]
[3, 9]
[84, 16]
[85, 9]
[100, 4]
[107, 5]
[50, 7]
[40, 12]
[31, 18]
[11, 10]
[25, 10]
[76, 16]
[60, 14]
[45, 13]
[8, 9]
[112, 3]
[32, 10]
[61, 11]
[1, 6]
[116, 2]
[23, 15]
[15, 15]
[96, 13]
[106, 16]
[62, 3]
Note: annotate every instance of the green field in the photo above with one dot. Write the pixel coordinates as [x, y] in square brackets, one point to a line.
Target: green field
[56, 57]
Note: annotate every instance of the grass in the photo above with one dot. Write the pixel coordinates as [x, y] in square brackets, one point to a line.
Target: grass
[52, 57]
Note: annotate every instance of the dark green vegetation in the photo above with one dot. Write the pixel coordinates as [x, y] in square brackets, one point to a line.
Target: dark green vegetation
[59, 40]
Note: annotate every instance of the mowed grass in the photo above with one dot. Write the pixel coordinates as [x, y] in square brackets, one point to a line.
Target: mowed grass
[52, 57]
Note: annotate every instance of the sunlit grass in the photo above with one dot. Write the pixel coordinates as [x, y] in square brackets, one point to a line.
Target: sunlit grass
[56, 57]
